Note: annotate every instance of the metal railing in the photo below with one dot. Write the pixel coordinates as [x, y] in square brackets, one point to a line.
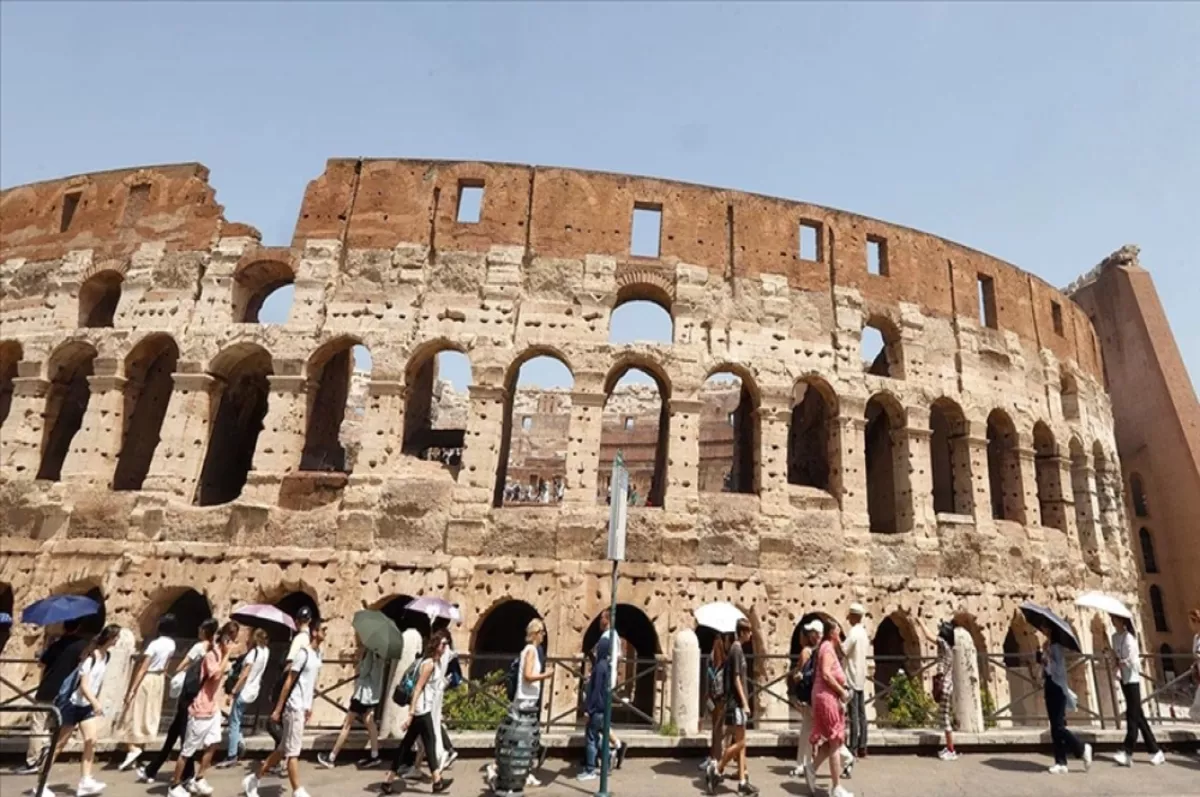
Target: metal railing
[55, 725]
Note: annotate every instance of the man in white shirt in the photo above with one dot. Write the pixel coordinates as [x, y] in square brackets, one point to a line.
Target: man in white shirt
[856, 646]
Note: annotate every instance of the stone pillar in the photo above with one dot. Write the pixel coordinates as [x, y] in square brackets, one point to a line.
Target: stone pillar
[116, 681]
[685, 682]
[484, 435]
[981, 491]
[183, 439]
[320, 260]
[968, 705]
[902, 475]
[1031, 514]
[683, 455]
[92, 458]
[774, 422]
[393, 715]
[917, 436]
[21, 439]
[1087, 510]
[583, 447]
[382, 428]
[281, 441]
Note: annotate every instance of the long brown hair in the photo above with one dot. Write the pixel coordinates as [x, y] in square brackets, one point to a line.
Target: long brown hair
[719, 651]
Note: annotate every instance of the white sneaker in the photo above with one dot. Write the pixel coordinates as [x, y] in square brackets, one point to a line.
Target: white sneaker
[704, 764]
[300, 792]
[1058, 769]
[489, 776]
[250, 785]
[1158, 759]
[1122, 759]
[45, 792]
[177, 791]
[1087, 757]
[130, 757]
[530, 780]
[946, 754]
[88, 786]
[586, 775]
[142, 775]
[201, 787]
[840, 791]
[190, 786]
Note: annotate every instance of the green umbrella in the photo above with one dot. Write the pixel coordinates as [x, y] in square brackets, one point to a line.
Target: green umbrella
[378, 633]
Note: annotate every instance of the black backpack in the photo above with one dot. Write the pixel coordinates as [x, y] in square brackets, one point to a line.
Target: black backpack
[716, 682]
[403, 694]
[235, 672]
[191, 681]
[803, 688]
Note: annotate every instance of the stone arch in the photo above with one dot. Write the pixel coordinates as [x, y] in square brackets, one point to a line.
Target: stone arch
[290, 603]
[730, 435]
[635, 677]
[536, 464]
[796, 643]
[1004, 468]
[394, 607]
[330, 371]
[10, 354]
[189, 607]
[89, 588]
[882, 350]
[969, 623]
[1020, 664]
[950, 458]
[1146, 543]
[642, 438]
[237, 418]
[6, 607]
[253, 282]
[429, 419]
[149, 382]
[812, 439]
[67, 399]
[499, 636]
[1051, 505]
[1137, 490]
[647, 301]
[886, 462]
[895, 647]
[644, 285]
[98, 298]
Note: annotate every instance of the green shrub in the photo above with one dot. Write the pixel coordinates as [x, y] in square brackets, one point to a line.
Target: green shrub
[989, 708]
[908, 705]
[477, 705]
[668, 728]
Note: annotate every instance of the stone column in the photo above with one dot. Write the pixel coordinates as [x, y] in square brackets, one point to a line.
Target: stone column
[774, 421]
[21, 439]
[1031, 514]
[281, 441]
[382, 428]
[968, 704]
[183, 439]
[917, 436]
[481, 455]
[92, 458]
[976, 442]
[1087, 511]
[583, 447]
[685, 682]
[116, 681]
[683, 455]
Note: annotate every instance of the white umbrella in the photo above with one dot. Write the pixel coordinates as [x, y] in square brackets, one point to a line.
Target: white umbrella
[1105, 603]
[720, 616]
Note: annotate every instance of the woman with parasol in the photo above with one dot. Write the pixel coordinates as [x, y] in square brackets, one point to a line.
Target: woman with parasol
[1058, 695]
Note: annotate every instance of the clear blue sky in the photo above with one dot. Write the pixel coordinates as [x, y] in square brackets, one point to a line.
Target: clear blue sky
[1048, 135]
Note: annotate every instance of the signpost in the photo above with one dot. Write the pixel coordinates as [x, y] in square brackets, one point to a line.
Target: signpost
[618, 509]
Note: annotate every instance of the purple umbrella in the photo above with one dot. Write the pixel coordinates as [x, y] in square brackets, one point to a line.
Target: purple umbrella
[434, 608]
[257, 613]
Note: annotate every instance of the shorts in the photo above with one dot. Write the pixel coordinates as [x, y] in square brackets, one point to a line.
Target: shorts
[360, 709]
[735, 717]
[946, 710]
[73, 714]
[291, 742]
[201, 733]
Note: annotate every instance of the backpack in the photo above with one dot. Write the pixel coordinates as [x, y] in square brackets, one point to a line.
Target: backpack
[803, 688]
[716, 682]
[191, 681]
[235, 672]
[513, 676]
[71, 683]
[403, 694]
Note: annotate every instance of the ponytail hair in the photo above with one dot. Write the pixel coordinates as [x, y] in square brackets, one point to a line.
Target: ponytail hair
[106, 635]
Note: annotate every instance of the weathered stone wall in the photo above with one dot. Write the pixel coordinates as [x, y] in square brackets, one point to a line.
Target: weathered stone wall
[379, 258]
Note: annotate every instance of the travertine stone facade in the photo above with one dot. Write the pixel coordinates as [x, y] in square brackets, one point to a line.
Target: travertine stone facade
[108, 281]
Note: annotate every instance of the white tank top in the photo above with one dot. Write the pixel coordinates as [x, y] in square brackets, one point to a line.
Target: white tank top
[431, 694]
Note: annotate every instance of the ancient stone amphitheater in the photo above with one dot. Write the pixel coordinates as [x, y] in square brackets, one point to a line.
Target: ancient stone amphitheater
[157, 439]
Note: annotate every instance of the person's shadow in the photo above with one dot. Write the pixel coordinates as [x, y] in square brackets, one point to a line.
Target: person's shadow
[1014, 765]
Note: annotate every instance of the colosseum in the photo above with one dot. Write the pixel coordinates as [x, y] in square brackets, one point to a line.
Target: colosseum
[162, 448]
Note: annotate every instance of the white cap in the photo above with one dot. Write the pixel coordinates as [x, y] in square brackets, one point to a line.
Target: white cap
[814, 625]
[857, 608]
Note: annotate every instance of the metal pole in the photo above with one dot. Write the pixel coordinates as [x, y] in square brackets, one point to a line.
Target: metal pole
[608, 699]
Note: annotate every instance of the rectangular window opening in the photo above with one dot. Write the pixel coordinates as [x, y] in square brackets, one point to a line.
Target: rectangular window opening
[987, 301]
[810, 241]
[470, 202]
[877, 256]
[1056, 315]
[647, 230]
[527, 423]
[628, 423]
[70, 203]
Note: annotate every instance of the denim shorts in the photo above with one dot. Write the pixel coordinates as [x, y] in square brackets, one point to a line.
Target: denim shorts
[73, 714]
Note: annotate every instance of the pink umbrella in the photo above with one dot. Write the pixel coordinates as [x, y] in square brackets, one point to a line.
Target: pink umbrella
[255, 613]
[434, 608]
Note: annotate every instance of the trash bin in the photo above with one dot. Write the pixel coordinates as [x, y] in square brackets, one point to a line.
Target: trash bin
[517, 742]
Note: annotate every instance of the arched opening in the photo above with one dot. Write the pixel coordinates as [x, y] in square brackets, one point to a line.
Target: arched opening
[66, 402]
[812, 445]
[636, 681]
[895, 649]
[1049, 481]
[1149, 563]
[797, 641]
[339, 375]
[263, 292]
[500, 637]
[967, 622]
[1070, 397]
[148, 373]
[190, 608]
[1004, 468]
[1136, 490]
[1021, 671]
[880, 348]
[1158, 609]
[641, 320]
[237, 418]
[1167, 664]
[395, 609]
[950, 458]
[1105, 693]
[98, 299]
[1081, 492]
[435, 410]
[532, 468]
[6, 607]
[728, 434]
[10, 355]
[886, 468]
[92, 623]
[290, 604]
[636, 424]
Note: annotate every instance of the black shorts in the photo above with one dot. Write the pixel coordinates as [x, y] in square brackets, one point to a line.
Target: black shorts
[361, 710]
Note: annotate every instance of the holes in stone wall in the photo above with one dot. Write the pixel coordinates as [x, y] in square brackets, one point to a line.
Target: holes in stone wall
[70, 204]
[729, 437]
[950, 458]
[877, 256]
[263, 292]
[1004, 468]
[1049, 480]
[470, 202]
[10, 355]
[811, 444]
[987, 301]
[646, 239]
[636, 423]
[237, 420]
[148, 374]
[98, 299]
[810, 244]
[66, 403]
[339, 375]
[435, 413]
[883, 453]
[532, 467]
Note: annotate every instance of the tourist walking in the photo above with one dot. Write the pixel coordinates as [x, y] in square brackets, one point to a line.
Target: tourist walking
[737, 714]
[802, 678]
[526, 702]
[452, 669]
[203, 732]
[368, 687]
[425, 715]
[58, 662]
[1129, 660]
[245, 692]
[715, 700]
[616, 747]
[596, 701]
[1059, 699]
[187, 692]
[80, 708]
[142, 709]
[943, 684]
[856, 646]
[830, 691]
[1194, 620]
[292, 711]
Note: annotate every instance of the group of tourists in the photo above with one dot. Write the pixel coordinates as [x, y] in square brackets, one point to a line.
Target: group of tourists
[543, 492]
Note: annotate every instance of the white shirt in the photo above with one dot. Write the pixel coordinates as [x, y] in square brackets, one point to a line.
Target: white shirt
[856, 647]
[300, 640]
[431, 694]
[301, 698]
[616, 662]
[256, 660]
[1125, 646]
[196, 652]
[159, 652]
[528, 692]
[92, 669]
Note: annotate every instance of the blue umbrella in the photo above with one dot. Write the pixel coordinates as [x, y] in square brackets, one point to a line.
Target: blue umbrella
[1045, 620]
[59, 609]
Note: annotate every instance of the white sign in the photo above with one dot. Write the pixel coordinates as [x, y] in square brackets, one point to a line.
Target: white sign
[618, 496]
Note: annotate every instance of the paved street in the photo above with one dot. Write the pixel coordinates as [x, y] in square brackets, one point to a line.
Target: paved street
[1001, 774]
